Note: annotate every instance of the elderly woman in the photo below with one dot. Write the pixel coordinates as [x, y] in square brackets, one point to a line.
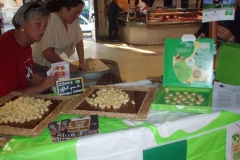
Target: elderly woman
[63, 35]
[16, 62]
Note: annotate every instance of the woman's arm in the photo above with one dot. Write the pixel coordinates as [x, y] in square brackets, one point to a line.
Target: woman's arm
[225, 34]
[51, 56]
[39, 84]
[145, 7]
[80, 52]
[36, 79]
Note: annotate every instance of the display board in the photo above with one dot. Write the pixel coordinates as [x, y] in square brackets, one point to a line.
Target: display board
[218, 10]
[70, 87]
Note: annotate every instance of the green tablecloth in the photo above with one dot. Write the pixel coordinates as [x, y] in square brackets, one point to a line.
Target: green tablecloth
[204, 136]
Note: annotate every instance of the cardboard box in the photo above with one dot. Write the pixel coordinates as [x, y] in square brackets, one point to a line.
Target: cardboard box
[96, 65]
[187, 78]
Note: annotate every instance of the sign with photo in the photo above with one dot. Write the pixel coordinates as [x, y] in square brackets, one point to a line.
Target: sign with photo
[60, 70]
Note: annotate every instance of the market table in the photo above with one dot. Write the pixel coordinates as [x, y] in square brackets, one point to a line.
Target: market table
[119, 139]
[164, 134]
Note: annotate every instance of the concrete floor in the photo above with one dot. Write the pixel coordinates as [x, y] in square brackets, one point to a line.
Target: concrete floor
[135, 62]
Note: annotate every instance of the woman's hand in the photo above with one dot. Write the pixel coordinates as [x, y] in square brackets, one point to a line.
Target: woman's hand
[224, 34]
[202, 35]
[48, 82]
[74, 68]
[83, 66]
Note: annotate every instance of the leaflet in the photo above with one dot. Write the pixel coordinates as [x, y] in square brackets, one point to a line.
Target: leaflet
[226, 97]
[74, 128]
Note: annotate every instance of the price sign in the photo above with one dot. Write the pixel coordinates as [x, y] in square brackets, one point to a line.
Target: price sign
[70, 87]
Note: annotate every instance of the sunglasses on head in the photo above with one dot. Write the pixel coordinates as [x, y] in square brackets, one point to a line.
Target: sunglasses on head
[33, 5]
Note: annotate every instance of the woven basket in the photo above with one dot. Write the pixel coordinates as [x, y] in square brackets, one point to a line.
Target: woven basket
[36, 126]
[142, 96]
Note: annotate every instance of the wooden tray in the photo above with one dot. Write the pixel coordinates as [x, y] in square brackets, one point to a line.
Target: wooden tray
[142, 96]
[34, 127]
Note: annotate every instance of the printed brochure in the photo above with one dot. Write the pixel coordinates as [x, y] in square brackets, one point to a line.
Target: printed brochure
[74, 128]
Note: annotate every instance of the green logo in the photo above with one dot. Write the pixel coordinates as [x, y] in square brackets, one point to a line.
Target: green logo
[229, 13]
[185, 49]
[235, 137]
[77, 81]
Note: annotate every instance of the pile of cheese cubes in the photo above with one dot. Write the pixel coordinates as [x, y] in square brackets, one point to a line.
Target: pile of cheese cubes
[23, 109]
[105, 98]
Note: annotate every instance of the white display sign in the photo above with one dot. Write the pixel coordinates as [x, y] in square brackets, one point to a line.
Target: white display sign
[218, 10]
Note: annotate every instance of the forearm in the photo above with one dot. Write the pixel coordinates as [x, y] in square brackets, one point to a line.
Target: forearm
[36, 79]
[145, 7]
[39, 84]
[34, 87]
[80, 51]
[51, 56]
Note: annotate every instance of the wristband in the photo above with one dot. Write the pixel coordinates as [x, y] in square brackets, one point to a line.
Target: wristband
[231, 39]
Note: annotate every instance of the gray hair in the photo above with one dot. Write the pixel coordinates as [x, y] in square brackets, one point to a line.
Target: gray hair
[27, 11]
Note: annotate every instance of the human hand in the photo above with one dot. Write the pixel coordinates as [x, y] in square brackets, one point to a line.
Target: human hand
[83, 66]
[202, 35]
[224, 33]
[48, 82]
[74, 68]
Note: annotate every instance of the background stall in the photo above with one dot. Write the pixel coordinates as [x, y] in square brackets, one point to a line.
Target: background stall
[158, 24]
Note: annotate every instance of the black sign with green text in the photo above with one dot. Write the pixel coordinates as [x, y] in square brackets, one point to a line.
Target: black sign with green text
[70, 87]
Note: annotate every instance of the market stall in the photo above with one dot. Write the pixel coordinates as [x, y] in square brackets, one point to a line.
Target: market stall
[145, 125]
[163, 134]
[156, 25]
[204, 134]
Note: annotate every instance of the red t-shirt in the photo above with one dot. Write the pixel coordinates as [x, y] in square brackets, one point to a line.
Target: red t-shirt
[16, 64]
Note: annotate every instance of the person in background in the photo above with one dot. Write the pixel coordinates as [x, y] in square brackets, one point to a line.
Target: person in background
[16, 63]
[232, 34]
[113, 11]
[63, 35]
[147, 3]
[227, 31]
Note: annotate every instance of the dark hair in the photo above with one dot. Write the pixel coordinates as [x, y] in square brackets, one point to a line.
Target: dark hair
[27, 11]
[109, 78]
[56, 5]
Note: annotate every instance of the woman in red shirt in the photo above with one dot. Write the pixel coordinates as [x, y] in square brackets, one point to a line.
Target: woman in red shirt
[16, 63]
